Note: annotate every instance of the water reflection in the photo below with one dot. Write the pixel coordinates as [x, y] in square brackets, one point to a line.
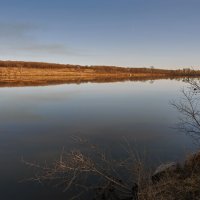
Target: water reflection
[37, 122]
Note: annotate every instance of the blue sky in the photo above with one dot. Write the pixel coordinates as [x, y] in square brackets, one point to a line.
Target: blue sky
[135, 33]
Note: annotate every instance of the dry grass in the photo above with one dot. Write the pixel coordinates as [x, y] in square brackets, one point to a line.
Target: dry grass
[14, 76]
[183, 183]
[33, 73]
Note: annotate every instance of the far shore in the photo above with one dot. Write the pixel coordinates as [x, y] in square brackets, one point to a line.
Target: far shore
[13, 73]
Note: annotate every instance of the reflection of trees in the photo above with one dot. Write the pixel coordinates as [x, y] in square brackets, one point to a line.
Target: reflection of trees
[151, 81]
[189, 108]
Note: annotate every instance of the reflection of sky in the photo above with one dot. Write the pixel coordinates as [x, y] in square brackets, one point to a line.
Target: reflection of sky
[89, 105]
[37, 122]
[128, 33]
[92, 109]
[25, 104]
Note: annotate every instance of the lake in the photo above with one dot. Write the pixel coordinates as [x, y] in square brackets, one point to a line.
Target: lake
[36, 123]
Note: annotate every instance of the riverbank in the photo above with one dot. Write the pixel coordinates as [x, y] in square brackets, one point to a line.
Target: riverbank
[34, 73]
[174, 181]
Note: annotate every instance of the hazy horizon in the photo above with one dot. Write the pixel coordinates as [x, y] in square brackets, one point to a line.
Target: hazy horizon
[129, 33]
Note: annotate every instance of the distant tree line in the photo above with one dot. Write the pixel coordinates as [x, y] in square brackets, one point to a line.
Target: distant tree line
[100, 69]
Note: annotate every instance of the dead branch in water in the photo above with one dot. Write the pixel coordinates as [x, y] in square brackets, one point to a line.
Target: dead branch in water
[93, 171]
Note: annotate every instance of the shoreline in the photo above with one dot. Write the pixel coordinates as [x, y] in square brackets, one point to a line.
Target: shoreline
[26, 81]
[40, 74]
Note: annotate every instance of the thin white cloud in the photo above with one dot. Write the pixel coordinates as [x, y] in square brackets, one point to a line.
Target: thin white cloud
[19, 39]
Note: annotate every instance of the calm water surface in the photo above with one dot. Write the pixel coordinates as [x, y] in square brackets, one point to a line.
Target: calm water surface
[37, 122]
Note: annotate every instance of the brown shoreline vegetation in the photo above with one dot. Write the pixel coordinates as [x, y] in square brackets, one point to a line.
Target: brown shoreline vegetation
[174, 181]
[18, 73]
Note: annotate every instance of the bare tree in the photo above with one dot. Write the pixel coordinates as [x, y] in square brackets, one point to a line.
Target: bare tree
[189, 108]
